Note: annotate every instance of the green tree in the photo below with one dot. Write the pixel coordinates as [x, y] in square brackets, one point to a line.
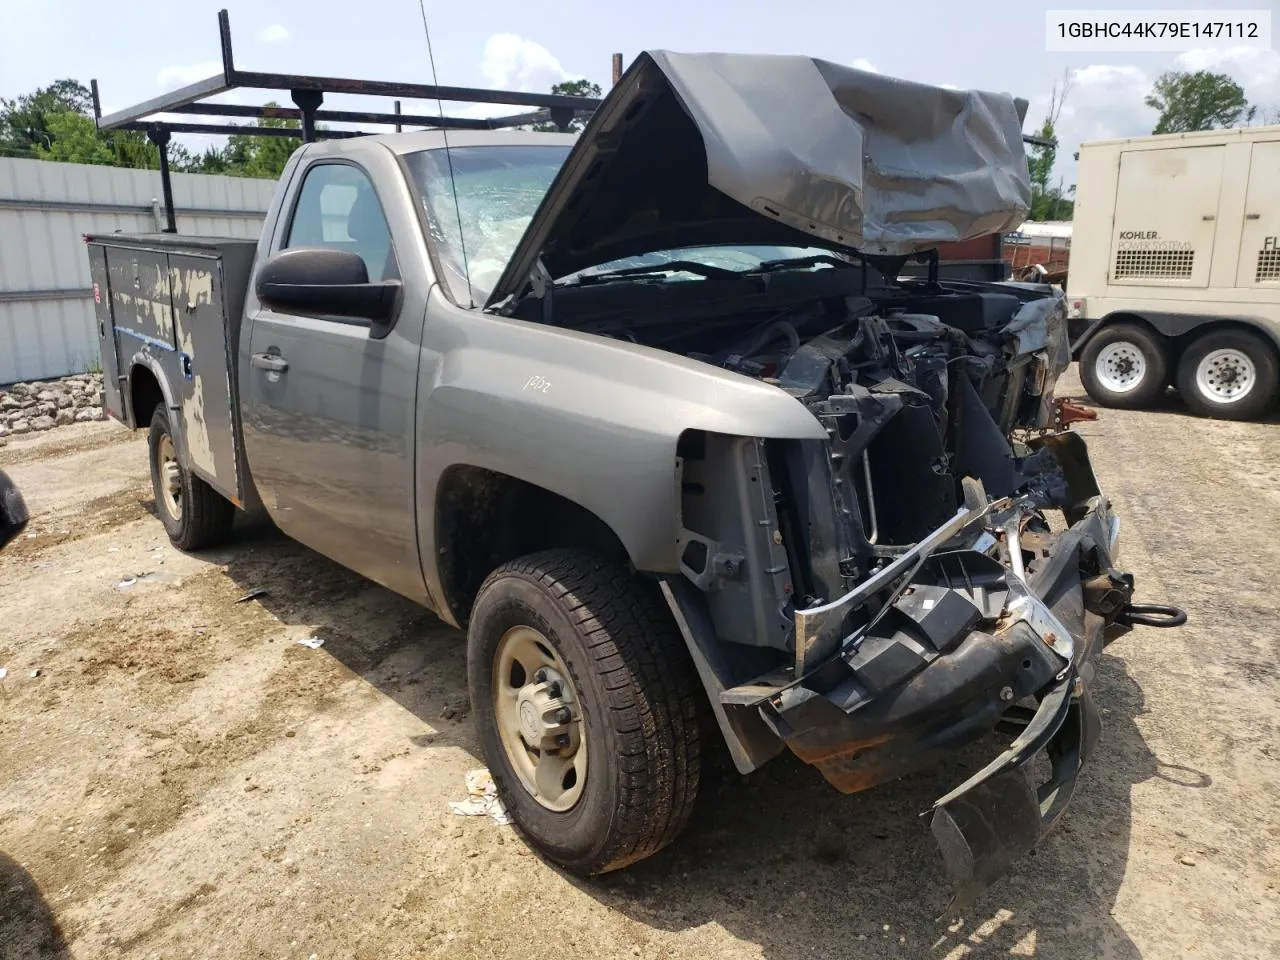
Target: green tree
[1198, 101]
[255, 155]
[1048, 203]
[213, 160]
[1040, 163]
[24, 121]
[73, 138]
[571, 88]
[55, 123]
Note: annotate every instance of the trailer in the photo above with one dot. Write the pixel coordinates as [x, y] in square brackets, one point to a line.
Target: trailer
[1175, 271]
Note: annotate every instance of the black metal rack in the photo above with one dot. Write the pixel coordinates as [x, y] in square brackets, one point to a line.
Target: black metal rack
[307, 92]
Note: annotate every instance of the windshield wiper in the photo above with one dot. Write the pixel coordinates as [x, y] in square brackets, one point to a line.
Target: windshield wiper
[656, 269]
[798, 263]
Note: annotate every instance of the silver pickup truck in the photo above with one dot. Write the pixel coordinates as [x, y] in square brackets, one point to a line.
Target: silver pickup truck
[655, 417]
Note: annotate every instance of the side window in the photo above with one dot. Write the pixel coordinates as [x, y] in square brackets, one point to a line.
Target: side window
[337, 207]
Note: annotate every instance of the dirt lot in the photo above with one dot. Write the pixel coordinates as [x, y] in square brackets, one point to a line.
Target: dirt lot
[182, 779]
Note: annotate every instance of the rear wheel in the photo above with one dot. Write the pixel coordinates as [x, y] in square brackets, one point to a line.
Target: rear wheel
[1229, 373]
[193, 513]
[586, 706]
[1124, 365]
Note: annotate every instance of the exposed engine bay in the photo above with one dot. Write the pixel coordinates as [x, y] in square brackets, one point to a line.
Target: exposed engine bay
[916, 392]
[938, 568]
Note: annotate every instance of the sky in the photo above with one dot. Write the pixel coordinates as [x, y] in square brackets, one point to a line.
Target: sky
[141, 48]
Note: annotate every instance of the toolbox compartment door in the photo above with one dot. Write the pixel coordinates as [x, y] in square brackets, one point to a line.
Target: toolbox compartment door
[140, 299]
[1156, 242]
[204, 390]
[1259, 265]
[112, 385]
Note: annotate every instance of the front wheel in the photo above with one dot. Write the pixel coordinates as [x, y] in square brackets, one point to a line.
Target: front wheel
[586, 705]
[193, 513]
[1228, 373]
[1124, 365]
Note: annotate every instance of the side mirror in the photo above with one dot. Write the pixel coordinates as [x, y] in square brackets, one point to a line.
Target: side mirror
[13, 510]
[321, 281]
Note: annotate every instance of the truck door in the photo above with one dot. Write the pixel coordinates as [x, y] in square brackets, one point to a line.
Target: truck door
[1166, 217]
[328, 409]
[1259, 264]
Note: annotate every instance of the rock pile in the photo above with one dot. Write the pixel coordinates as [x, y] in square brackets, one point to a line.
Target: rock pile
[28, 407]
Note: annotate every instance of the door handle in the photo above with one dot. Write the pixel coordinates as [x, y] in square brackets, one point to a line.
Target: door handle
[270, 361]
[1252, 216]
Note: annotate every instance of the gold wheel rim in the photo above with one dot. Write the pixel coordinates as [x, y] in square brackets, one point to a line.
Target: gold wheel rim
[539, 718]
[170, 477]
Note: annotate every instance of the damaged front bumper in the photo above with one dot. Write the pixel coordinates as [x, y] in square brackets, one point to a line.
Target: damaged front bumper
[986, 624]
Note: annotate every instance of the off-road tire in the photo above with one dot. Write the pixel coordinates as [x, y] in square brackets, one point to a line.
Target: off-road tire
[637, 691]
[1256, 401]
[206, 516]
[1154, 355]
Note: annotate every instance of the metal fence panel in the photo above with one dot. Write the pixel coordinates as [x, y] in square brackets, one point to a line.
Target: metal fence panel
[46, 306]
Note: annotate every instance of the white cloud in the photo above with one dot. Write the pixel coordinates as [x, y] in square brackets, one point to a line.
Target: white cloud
[180, 75]
[1106, 101]
[862, 63]
[511, 62]
[273, 33]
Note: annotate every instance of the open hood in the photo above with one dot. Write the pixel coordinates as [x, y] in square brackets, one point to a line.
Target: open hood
[714, 148]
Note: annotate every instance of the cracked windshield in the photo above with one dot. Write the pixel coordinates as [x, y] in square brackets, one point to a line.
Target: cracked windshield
[493, 192]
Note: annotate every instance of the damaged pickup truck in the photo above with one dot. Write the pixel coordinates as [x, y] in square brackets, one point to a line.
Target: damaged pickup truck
[651, 415]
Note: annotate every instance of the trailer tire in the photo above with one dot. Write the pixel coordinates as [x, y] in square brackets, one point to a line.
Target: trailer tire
[563, 630]
[1124, 365]
[1230, 374]
[194, 515]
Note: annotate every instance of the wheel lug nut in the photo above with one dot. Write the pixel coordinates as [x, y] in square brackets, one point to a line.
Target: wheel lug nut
[540, 676]
[562, 740]
[553, 689]
[564, 716]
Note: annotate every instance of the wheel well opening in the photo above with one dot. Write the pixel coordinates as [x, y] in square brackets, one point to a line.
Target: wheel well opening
[485, 518]
[144, 396]
[1115, 319]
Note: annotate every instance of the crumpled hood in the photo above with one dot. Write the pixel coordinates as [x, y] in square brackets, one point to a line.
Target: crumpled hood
[695, 149]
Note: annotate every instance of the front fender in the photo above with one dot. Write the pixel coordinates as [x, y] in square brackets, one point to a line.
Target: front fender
[592, 419]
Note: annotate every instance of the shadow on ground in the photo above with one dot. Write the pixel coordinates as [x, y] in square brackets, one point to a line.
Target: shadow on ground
[777, 858]
[28, 930]
[781, 860]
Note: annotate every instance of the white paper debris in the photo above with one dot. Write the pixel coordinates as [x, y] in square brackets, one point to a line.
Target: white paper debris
[4, 672]
[312, 643]
[126, 583]
[480, 783]
[35, 672]
[483, 800]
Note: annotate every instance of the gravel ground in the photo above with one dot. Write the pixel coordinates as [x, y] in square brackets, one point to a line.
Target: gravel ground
[181, 778]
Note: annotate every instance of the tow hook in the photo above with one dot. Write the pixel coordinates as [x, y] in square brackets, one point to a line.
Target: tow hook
[1152, 615]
